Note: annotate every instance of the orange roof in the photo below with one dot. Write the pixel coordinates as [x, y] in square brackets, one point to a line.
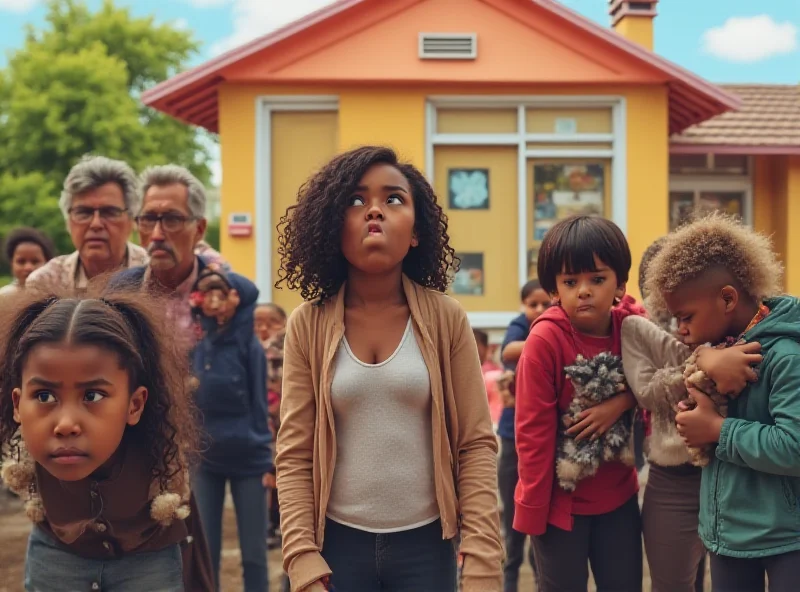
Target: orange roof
[768, 122]
[323, 48]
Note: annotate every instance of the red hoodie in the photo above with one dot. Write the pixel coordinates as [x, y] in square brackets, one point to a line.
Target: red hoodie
[543, 395]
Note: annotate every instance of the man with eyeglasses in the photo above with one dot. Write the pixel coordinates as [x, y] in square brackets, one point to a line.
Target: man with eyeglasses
[98, 201]
[171, 222]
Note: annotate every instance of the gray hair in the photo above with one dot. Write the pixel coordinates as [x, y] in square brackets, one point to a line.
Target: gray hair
[170, 174]
[92, 172]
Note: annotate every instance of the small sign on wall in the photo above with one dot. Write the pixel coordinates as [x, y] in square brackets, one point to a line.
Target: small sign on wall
[566, 125]
[240, 225]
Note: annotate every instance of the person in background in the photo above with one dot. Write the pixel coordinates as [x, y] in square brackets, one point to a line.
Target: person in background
[534, 301]
[230, 367]
[491, 371]
[270, 320]
[99, 199]
[26, 250]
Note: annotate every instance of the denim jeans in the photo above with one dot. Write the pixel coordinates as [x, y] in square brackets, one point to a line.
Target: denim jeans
[250, 502]
[51, 567]
[416, 560]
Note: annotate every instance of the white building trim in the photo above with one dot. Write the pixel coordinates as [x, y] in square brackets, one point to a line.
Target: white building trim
[617, 152]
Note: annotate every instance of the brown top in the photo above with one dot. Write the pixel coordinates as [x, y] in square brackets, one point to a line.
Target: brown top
[109, 518]
[769, 116]
[465, 449]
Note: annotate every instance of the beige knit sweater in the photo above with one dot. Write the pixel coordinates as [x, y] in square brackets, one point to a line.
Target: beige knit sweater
[653, 363]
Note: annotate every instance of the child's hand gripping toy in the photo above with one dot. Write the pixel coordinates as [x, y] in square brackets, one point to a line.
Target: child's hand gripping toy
[213, 296]
[696, 378]
[595, 381]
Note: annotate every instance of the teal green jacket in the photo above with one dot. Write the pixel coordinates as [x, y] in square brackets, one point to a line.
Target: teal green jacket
[749, 493]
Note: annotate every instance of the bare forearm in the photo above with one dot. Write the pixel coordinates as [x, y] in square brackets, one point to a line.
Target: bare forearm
[513, 351]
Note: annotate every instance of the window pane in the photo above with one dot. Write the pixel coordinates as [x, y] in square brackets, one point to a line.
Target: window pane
[730, 163]
[681, 205]
[727, 202]
[679, 163]
[559, 190]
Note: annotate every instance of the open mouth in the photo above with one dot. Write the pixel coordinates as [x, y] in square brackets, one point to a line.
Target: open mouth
[374, 229]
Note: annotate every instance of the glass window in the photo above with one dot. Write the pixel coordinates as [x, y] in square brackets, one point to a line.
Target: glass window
[682, 204]
[679, 163]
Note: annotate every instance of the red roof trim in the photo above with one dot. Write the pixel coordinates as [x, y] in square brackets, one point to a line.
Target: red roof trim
[763, 149]
[697, 95]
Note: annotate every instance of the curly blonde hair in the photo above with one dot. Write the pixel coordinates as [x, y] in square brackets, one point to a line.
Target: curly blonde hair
[715, 241]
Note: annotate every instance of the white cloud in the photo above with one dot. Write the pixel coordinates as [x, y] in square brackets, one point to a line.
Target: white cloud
[254, 18]
[750, 39]
[181, 24]
[17, 5]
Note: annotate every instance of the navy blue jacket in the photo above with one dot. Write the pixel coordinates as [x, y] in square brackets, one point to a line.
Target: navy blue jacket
[517, 331]
[231, 368]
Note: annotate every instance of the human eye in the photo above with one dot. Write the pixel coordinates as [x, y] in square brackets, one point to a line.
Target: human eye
[599, 279]
[395, 200]
[569, 282]
[356, 201]
[93, 396]
[44, 397]
[111, 212]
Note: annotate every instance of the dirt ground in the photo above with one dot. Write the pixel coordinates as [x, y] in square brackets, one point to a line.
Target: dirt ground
[14, 529]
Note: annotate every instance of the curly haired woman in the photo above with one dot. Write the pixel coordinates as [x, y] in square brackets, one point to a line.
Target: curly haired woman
[385, 453]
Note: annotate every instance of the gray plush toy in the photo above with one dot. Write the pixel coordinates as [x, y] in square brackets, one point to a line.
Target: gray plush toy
[595, 381]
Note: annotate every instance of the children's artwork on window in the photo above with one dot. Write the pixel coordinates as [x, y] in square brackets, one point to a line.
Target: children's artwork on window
[469, 278]
[468, 189]
[563, 190]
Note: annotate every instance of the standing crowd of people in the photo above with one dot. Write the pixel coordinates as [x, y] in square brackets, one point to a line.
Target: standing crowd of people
[369, 434]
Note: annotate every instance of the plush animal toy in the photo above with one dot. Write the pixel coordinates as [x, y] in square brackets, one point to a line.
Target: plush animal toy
[701, 456]
[595, 381]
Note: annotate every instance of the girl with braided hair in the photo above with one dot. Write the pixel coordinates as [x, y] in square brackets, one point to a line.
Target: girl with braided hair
[385, 453]
[98, 391]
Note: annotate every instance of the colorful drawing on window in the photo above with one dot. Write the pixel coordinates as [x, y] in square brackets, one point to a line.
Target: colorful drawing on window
[469, 278]
[563, 190]
[468, 189]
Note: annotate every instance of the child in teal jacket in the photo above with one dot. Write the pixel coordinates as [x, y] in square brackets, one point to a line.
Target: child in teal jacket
[719, 280]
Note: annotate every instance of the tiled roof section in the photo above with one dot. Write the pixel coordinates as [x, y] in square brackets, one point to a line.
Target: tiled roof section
[769, 117]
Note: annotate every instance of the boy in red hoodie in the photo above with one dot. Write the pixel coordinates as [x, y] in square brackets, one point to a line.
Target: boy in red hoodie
[584, 262]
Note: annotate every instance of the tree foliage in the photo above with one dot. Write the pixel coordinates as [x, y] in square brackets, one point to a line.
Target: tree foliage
[73, 89]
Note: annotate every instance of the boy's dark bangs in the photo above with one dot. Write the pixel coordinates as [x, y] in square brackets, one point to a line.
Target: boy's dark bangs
[579, 246]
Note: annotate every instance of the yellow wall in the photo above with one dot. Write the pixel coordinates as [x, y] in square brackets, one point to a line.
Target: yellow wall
[292, 163]
[638, 29]
[397, 117]
[492, 232]
[647, 172]
[792, 259]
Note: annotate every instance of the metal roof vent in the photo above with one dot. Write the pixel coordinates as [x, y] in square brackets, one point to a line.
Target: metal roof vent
[448, 46]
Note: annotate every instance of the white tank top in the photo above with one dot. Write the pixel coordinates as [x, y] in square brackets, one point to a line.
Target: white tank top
[383, 480]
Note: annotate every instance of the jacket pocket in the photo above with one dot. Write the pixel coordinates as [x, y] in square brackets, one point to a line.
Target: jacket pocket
[223, 395]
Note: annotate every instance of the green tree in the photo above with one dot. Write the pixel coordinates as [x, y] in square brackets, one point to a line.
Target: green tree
[73, 89]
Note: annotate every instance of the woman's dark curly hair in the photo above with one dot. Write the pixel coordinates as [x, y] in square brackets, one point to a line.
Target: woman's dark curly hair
[24, 234]
[310, 233]
[134, 326]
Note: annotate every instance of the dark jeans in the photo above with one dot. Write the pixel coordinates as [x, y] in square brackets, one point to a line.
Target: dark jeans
[417, 560]
[731, 574]
[250, 501]
[611, 542]
[507, 477]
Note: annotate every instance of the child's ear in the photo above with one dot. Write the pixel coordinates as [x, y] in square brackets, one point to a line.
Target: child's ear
[621, 290]
[16, 394]
[136, 405]
[233, 297]
[730, 297]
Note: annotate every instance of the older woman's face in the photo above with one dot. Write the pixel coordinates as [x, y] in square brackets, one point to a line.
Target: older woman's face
[100, 227]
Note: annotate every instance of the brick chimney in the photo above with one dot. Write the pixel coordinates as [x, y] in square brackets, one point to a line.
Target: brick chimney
[634, 20]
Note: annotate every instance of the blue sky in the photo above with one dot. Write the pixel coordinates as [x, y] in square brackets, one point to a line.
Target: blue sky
[722, 40]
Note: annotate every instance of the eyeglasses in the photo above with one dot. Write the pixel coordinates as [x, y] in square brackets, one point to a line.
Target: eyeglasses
[169, 222]
[83, 214]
